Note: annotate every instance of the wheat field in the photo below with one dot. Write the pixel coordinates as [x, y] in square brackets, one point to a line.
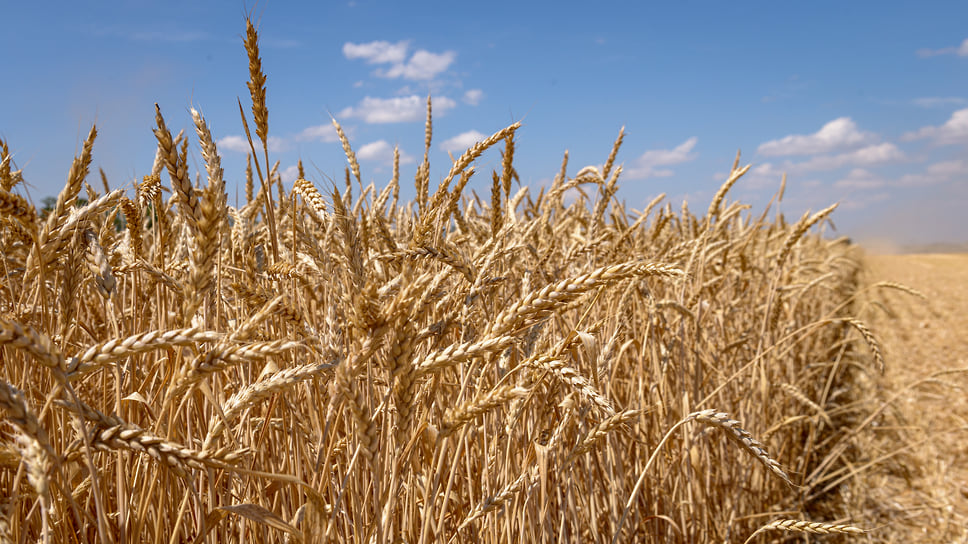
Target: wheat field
[328, 363]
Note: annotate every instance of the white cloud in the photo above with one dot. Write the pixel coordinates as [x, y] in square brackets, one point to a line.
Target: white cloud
[954, 131]
[473, 96]
[859, 201]
[938, 101]
[939, 172]
[961, 51]
[865, 156]
[421, 66]
[860, 179]
[462, 141]
[835, 135]
[396, 110]
[277, 144]
[142, 33]
[241, 145]
[233, 143]
[289, 174]
[318, 133]
[765, 169]
[760, 176]
[927, 53]
[646, 165]
[570, 196]
[377, 52]
[769, 174]
[381, 151]
[175, 36]
[949, 169]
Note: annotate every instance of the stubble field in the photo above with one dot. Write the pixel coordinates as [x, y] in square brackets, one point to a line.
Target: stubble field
[922, 493]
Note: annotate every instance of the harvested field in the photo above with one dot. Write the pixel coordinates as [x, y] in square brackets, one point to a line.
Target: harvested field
[922, 495]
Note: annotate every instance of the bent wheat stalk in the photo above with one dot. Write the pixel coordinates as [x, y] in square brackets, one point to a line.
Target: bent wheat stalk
[716, 419]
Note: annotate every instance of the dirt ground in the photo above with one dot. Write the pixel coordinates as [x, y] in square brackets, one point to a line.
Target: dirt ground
[921, 493]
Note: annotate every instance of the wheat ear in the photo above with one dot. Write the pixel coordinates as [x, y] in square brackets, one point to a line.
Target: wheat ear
[224, 357]
[569, 376]
[812, 527]
[113, 350]
[872, 342]
[539, 304]
[20, 414]
[34, 343]
[311, 195]
[743, 438]
[112, 433]
[262, 390]
[600, 431]
[799, 230]
[505, 495]
[467, 412]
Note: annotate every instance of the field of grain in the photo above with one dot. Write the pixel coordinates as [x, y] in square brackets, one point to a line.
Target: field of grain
[333, 364]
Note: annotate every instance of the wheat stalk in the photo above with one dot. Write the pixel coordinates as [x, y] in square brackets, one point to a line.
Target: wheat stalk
[470, 410]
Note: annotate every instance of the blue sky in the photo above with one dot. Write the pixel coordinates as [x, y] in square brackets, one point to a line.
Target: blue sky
[865, 103]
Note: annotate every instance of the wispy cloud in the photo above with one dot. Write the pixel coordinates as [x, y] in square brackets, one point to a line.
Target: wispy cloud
[953, 131]
[961, 51]
[760, 176]
[939, 101]
[154, 35]
[462, 141]
[648, 164]
[836, 135]
[178, 36]
[768, 174]
[473, 97]
[863, 199]
[936, 173]
[241, 145]
[233, 143]
[377, 52]
[381, 151]
[396, 110]
[318, 133]
[860, 179]
[422, 65]
[865, 156]
[277, 144]
[289, 174]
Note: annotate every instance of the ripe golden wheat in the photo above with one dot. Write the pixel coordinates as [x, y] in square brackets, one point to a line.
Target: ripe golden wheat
[330, 364]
